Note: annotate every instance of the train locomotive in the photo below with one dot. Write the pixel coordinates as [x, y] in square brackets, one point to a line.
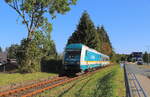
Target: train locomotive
[80, 58]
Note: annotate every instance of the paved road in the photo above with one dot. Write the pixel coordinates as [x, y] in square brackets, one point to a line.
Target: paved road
[142, 75]
[137, 70]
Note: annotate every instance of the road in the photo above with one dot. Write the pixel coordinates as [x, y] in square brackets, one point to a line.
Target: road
[142, 75]
[138, 70]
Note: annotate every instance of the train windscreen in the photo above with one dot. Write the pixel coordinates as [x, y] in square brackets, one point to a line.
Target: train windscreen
[72, 54]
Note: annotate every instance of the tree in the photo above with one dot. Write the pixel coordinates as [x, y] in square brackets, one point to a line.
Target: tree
[32, 52]
[145, 57]
[100, 37]
[51, 53]
[33, 12]
[85, 32]
[105, 44]
[38, 42]
[12, 51]
[29, 56]
[1, 50]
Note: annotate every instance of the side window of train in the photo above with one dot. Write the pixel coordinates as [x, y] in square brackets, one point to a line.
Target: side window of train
[101, 58]
[86, 52]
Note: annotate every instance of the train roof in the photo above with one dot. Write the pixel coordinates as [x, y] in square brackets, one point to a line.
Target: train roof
[79, 46]
[74, 46]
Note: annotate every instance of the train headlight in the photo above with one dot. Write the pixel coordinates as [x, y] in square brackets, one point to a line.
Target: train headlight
[78, 62]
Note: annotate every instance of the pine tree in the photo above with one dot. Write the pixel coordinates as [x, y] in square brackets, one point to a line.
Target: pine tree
[145, 57]
[52, 52]
[12, 51]
[85, 33]
[105, 44]
[1, 50]
[100, 37]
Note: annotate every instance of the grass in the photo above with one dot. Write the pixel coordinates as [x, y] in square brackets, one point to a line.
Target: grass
[119, 90]
[8, 79]
[108, 82]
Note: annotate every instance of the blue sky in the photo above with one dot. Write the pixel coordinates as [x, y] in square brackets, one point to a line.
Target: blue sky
[126, 21]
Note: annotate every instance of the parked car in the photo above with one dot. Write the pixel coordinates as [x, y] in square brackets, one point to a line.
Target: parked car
[1, 63]
[140, 62]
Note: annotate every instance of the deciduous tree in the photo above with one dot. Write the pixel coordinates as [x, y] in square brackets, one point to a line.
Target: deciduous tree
[34, 15]
[32, 12]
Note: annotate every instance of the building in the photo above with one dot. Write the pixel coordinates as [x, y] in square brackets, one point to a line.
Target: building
[3, 56]
[136, 56]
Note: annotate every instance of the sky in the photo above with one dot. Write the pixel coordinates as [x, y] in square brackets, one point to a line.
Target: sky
[126, 21]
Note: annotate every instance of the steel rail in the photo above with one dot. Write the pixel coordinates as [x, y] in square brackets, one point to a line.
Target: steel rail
[49, 87]
[59, 83]
[9, 92]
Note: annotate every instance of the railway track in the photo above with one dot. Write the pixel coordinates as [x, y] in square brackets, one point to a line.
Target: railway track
[20, 91]
[33, 89]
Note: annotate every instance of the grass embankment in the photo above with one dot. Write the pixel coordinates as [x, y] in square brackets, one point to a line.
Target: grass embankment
[7, 79]
[108, 82]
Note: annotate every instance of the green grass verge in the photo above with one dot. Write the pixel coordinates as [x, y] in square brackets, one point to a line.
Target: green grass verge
[108, 82]
[7, 79]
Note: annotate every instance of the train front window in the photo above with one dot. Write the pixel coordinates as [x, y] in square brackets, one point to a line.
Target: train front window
[73, 54]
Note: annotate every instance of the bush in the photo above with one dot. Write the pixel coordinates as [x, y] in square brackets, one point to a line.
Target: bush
[29, 56]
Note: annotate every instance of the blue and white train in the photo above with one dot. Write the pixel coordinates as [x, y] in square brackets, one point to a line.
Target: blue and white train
[78, 57]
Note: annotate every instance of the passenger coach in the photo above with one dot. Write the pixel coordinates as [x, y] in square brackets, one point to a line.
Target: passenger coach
[78, 57]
